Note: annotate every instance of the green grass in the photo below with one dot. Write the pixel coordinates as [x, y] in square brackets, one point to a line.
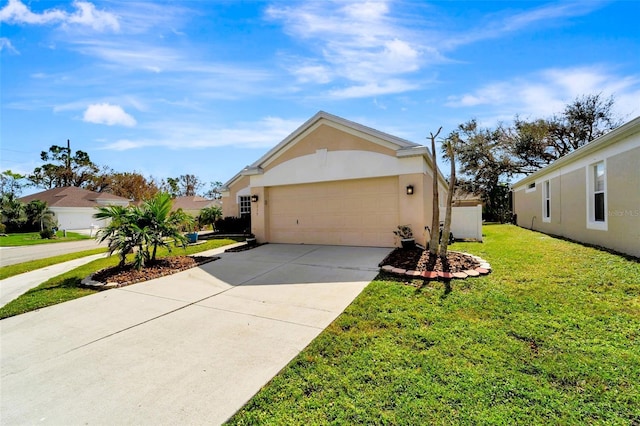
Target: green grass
[551, 336]
[67, 286]
[33, 238]
[32, 265]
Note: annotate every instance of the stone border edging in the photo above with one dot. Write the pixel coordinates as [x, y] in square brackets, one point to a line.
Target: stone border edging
[90, 282]
[483, 269]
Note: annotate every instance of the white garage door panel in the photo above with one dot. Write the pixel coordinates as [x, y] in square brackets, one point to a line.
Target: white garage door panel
[361, 212]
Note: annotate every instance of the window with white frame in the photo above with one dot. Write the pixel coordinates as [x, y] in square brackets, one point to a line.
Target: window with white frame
[597, 196]
[244, 202]
[546, 201]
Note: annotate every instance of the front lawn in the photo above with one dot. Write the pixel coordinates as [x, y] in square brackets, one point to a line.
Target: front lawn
[33, 238]
[67, 286]
[551, 336]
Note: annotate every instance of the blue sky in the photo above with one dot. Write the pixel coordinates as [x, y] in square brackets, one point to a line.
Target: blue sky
[167, 88]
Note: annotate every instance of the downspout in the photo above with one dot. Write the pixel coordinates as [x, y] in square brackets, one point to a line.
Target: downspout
[532, 219]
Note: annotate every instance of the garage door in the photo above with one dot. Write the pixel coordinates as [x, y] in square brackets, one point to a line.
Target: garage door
[361, 212]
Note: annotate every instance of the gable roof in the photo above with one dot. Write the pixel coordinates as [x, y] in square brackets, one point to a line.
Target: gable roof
[71, 196]
[403, 147]
[603, 141]
[193, 203]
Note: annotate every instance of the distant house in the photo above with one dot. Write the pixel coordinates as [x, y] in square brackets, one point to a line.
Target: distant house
[74, 207]
[334, 181]
[591, 195]
[193, 205]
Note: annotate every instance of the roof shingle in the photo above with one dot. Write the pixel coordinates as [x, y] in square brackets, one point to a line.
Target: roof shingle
[72, 196]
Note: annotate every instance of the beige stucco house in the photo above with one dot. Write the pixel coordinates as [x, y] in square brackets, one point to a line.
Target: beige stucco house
[591, 195]
[333, 181]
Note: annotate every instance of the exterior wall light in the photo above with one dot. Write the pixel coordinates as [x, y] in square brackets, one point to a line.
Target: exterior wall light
[409, 189]
[254, 198]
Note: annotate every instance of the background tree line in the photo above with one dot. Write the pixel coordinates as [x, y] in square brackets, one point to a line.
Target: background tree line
[64, 168]
[489, 158]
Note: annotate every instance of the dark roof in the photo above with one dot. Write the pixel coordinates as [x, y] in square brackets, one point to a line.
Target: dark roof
[72, 196]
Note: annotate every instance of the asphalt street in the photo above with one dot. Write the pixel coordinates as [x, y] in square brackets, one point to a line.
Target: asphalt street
[13, 255]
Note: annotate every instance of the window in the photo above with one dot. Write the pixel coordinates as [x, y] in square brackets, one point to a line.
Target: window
[245, 205]
[597, 196]
[598, 192]
[546, 201]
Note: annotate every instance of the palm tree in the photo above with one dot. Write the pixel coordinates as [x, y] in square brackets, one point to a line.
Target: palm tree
[209, 215]
[161, 224]
[38, 213]
[122, 231]
[143, 228]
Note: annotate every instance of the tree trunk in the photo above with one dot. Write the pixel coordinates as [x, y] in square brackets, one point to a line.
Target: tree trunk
[435, 218]
[444, 242]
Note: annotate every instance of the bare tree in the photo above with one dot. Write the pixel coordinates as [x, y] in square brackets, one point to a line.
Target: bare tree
[435, 219]
[448, 146]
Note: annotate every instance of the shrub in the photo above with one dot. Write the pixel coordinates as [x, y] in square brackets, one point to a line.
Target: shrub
[234, 225]
[3, 228]
[47, 234]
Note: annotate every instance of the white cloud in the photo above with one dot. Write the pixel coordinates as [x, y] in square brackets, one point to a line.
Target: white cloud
[373, 89]
[86, 14]
[108, 114]
[310, 73]
[264, 133]
[548, 91]
[503, 24]
[223, 80]
[16, 12]
[361, 43]
[372, 45]
[5, 43]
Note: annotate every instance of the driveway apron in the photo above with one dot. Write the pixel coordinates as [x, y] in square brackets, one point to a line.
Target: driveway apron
[190, 348]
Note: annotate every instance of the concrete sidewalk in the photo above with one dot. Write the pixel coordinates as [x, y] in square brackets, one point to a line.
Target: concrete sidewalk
[190, 348]
[13, 287]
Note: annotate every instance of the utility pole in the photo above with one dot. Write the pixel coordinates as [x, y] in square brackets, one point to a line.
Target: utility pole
[68, 165]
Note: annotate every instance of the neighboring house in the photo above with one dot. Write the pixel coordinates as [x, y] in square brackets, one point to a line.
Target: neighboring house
[193, 205]
[591, 195]
[333, 181]
[74, 207]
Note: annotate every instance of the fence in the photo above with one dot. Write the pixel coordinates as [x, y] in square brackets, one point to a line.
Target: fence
[466, 222]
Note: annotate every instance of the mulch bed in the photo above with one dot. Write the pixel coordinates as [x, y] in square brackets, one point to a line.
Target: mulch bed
[416, 259]
[417, 264]
[121, 276]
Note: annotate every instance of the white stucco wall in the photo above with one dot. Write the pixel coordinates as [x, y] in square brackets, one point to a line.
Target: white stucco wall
[326, 166]
[73, 218]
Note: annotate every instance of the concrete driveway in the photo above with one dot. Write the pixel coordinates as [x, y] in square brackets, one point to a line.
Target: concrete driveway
[190, 348]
